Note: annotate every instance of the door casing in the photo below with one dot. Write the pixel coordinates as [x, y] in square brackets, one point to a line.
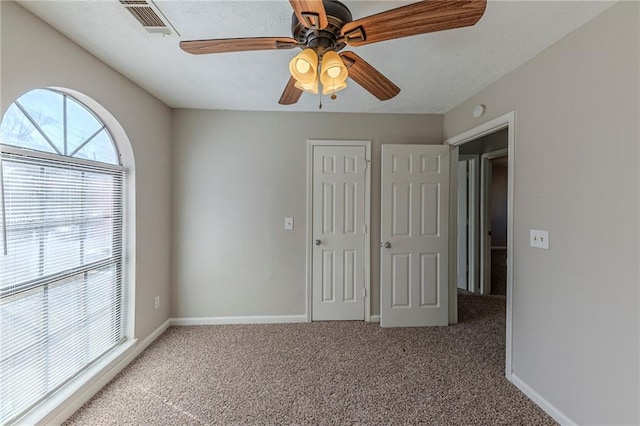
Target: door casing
[311, 143]
[473, 188]
[462, 278]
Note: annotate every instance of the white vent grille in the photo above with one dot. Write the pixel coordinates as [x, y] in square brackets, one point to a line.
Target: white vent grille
[149, 16]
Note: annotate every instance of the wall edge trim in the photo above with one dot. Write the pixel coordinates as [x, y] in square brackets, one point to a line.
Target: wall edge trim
[541, 401]
[257, 319]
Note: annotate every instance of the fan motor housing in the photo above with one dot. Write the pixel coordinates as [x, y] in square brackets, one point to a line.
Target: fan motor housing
[328, 38]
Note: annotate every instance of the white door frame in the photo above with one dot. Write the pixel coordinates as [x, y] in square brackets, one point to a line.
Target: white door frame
[311, 143]
[462, 194]
[472, 246]
[485, 218]
[507, 121]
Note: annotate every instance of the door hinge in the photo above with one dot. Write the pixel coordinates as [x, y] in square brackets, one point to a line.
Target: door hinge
[364, 292]
[364, 228]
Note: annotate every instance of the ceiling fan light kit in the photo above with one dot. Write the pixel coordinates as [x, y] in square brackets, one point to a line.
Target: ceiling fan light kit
[322, 28]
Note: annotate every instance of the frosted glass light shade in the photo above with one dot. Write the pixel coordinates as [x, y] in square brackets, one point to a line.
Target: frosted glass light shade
[333, 68]
[304, 67]
[334, 73]
[330, 88]
[310, 88]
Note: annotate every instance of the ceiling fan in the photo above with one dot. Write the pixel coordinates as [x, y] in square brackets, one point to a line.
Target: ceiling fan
[324, 27]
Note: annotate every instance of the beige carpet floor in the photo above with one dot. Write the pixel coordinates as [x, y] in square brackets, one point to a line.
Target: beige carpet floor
[321, 373]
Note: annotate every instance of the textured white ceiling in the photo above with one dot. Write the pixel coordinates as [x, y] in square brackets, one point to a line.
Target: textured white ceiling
[435, 71]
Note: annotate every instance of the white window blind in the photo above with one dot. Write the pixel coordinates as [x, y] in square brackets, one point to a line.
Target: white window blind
[61, 291]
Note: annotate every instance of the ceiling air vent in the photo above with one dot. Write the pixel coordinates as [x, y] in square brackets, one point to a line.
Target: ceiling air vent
[149, 16]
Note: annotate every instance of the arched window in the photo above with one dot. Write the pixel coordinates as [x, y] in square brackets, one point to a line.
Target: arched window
[49, 121]
[61, 255]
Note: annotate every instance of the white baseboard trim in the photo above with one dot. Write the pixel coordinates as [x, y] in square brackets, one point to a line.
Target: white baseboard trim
[69, 399]
[265, 319]
[375, 318]
[542, 402]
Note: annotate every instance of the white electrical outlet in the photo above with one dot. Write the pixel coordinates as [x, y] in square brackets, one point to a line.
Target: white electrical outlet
[157, 301]
[539, 239]
[288, 223]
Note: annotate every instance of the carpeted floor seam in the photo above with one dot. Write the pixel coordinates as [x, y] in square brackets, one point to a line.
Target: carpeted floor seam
[173, 406]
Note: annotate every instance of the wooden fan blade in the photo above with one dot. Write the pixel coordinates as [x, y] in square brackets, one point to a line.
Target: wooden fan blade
[417, 18]
[368, 77]
[223, 45]
[310, 13]
[291, 93]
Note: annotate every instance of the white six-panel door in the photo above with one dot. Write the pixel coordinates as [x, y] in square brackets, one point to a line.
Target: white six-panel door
[414, 233]
[338, 222]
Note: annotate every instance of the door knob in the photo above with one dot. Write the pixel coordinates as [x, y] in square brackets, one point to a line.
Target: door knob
[387, 245]
[318, 242]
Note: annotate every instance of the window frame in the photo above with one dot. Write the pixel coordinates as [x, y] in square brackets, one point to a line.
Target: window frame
[126, 302]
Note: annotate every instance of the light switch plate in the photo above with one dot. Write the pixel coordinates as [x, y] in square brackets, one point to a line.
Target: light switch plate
[539, 239]
[288, 223]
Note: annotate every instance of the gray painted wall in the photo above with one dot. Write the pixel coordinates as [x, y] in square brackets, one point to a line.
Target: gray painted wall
[34, 55]
[575, 307]
[237, 176]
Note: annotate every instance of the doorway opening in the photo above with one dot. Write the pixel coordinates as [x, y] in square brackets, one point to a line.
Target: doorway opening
[482, 214]
[482, 249]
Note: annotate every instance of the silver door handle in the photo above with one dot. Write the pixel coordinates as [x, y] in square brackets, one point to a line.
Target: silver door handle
[318, 242]
[387, 245]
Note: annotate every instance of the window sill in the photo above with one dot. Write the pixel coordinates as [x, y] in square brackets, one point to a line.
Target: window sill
[62, 404]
